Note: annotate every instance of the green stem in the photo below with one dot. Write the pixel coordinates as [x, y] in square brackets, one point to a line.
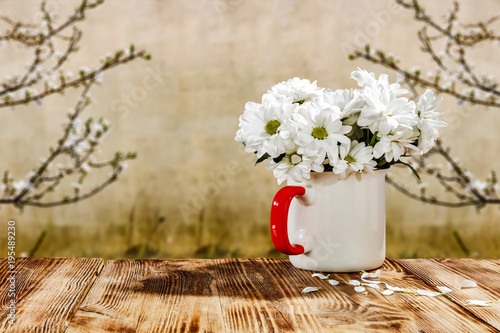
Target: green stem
[374, 137]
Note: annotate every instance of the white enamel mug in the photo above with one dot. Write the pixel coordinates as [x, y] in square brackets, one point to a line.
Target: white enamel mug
[331, 224]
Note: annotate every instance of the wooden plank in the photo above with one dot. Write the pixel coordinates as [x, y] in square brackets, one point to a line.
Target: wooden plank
[48, 291]
[339, 308]
[256, 296]
[432, 314]
[243, 295]
[451, 273]
[151, 295]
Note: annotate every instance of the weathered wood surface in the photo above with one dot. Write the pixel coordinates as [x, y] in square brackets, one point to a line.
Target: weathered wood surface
[451, 272]
[48, 291]
[265, 295]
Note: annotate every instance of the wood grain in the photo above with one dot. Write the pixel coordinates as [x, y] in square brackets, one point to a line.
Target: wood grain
[152, 295]
[258, 295]
[451, 273]
[339, 308]
[256, 298]
[244, 295]
[433, 314]
[48, 291]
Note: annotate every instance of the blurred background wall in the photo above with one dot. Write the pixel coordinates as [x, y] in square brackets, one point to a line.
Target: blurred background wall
[193, 192]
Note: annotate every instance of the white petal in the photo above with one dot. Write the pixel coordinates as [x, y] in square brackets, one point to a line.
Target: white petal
[354, 282]
[480, 303]
[321, 276]
[371, 275]
[371, 281]
[359, 289]
[309, 289]
[388, 292]
[333, 282]
[428, 293]
[395, 288]
[373, 285]
[444, 290]
[468, 284]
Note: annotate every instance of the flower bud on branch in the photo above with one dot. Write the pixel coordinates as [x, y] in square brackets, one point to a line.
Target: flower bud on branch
[454, 75]
[73, 155]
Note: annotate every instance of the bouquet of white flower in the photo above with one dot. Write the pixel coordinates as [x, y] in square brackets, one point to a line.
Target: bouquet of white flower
[302, 128]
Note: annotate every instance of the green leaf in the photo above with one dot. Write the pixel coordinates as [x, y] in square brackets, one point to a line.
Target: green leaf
[411, 168]
[279, 158]
[262, 158]
[374, 137]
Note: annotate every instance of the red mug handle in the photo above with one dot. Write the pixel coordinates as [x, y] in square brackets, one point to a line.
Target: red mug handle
[279, 220]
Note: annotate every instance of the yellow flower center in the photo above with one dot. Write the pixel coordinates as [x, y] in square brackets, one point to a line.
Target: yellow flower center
[319, 133]
[272, 126]
[350, 159]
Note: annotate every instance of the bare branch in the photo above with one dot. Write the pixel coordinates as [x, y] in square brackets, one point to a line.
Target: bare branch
[454, 75]
[73, 155]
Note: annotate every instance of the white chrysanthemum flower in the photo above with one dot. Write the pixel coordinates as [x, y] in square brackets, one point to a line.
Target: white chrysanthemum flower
[395, 144]
[298, 89]
[428, 122]
[384, 112]
[356, 132]
[301, 127]
[366, 79]
[267, 127]
[359, 158]
[319, 132]
[349, 101]
[295, 166]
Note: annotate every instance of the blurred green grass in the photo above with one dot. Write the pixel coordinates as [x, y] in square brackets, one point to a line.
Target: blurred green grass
[157, 237]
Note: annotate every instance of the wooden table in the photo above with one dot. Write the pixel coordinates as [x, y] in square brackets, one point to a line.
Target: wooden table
[243, 295]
